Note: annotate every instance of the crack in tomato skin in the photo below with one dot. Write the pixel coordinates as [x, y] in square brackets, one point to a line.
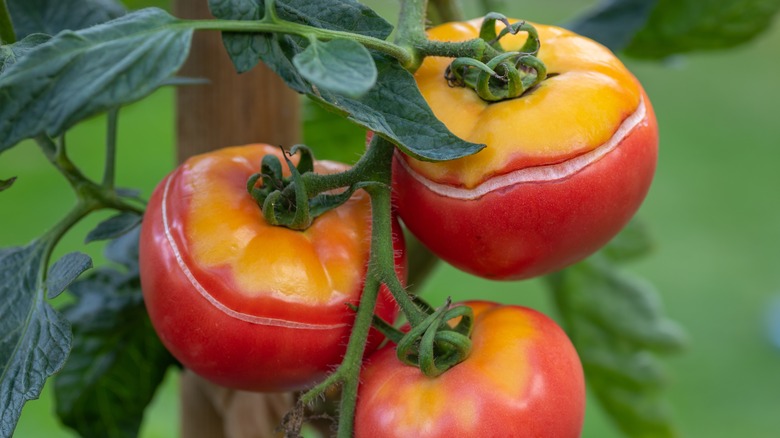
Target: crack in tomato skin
[563, 171]
[256, 338]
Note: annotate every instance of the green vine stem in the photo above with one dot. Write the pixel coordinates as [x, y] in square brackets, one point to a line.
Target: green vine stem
[110, 165]
[7, 34]
[447, 10]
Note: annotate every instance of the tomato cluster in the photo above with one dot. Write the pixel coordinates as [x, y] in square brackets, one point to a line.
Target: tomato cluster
[254, 306]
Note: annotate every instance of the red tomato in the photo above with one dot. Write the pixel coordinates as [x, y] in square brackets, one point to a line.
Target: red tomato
[245, 304]
[523, 378]
[565, 168]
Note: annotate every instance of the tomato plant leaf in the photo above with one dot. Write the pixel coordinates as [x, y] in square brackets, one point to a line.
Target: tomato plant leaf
[616, 323]
[117, 361]
[341, 66]
[52, 16]
[78, 74]
[114, 227]
[393, 108]
[344, 15]
[34, 338]
[680, 26]
[6, 184]
[11, 53]
[64, 271]
[613, 22]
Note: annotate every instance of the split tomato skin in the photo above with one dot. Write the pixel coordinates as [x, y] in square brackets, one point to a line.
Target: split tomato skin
[244, 304]
[523, 378]
[565, 168]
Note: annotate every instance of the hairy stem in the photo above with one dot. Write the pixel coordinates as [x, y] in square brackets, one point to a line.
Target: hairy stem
[411, 30]
[403, 55]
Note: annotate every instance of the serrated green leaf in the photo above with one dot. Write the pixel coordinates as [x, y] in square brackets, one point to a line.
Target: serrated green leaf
[114, 227]
[6, 184]
[244, 49]
[34, 338]
[616, 323]
[117, 361]
[393, 108]
[52, 16]
[613, 22]
[681, 26]
[76, 75]
[341, 66]
[64, 271]
[633, 242]
[11, 53]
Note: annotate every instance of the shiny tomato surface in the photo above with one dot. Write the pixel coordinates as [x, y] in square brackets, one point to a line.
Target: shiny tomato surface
[245, 304]
[565, 168]
[522, 379]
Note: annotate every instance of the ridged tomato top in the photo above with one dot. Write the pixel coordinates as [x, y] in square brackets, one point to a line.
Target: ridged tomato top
[576, 110]
[228, 239]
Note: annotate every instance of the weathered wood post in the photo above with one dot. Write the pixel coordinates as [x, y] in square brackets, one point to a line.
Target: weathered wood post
[231, 110]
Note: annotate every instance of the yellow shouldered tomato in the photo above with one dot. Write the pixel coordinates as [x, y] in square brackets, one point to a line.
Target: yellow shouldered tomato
[523, 378]
[245, 304]
[566, 165]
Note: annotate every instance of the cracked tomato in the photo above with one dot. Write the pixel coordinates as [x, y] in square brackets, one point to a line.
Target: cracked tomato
[566, 165]
[245, 304]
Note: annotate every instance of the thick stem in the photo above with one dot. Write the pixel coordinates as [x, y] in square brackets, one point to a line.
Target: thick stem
[7, 34]
[110, 166]
[410, 31]
[403, 55]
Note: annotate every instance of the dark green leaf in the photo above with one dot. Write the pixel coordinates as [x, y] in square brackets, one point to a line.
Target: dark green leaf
[394, 107]
[11, 53]
[124, 250]
[341, 66]
[34, 338]
[7, 183]
[65, 270]
[117, 361]
[344, 15]
[617, 325]
[614, 22]
[680, 26]
[79, 74]
[114, 227]
[633, 242]
[52, 16]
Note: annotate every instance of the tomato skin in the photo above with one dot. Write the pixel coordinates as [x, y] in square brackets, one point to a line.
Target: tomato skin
[523, 378]
[217, 323]
[555, 213]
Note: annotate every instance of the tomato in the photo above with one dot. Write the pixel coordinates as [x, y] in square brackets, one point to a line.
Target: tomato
[245, 304]
[566, 165]
[523, 378]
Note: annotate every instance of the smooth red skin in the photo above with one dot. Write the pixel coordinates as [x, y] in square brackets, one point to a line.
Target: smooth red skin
[532, 229]
[556, 409]
[232, 352]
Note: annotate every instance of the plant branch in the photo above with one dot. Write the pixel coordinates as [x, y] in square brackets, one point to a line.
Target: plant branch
[403, 55]
[411, 30]
[110, 166]
[7, 34]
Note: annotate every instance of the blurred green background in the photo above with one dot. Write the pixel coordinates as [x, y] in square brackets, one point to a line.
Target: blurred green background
[714, 210]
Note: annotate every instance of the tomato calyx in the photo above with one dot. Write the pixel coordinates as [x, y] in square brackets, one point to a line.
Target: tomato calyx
[504, 75]
[433, 345]
[296, 200]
